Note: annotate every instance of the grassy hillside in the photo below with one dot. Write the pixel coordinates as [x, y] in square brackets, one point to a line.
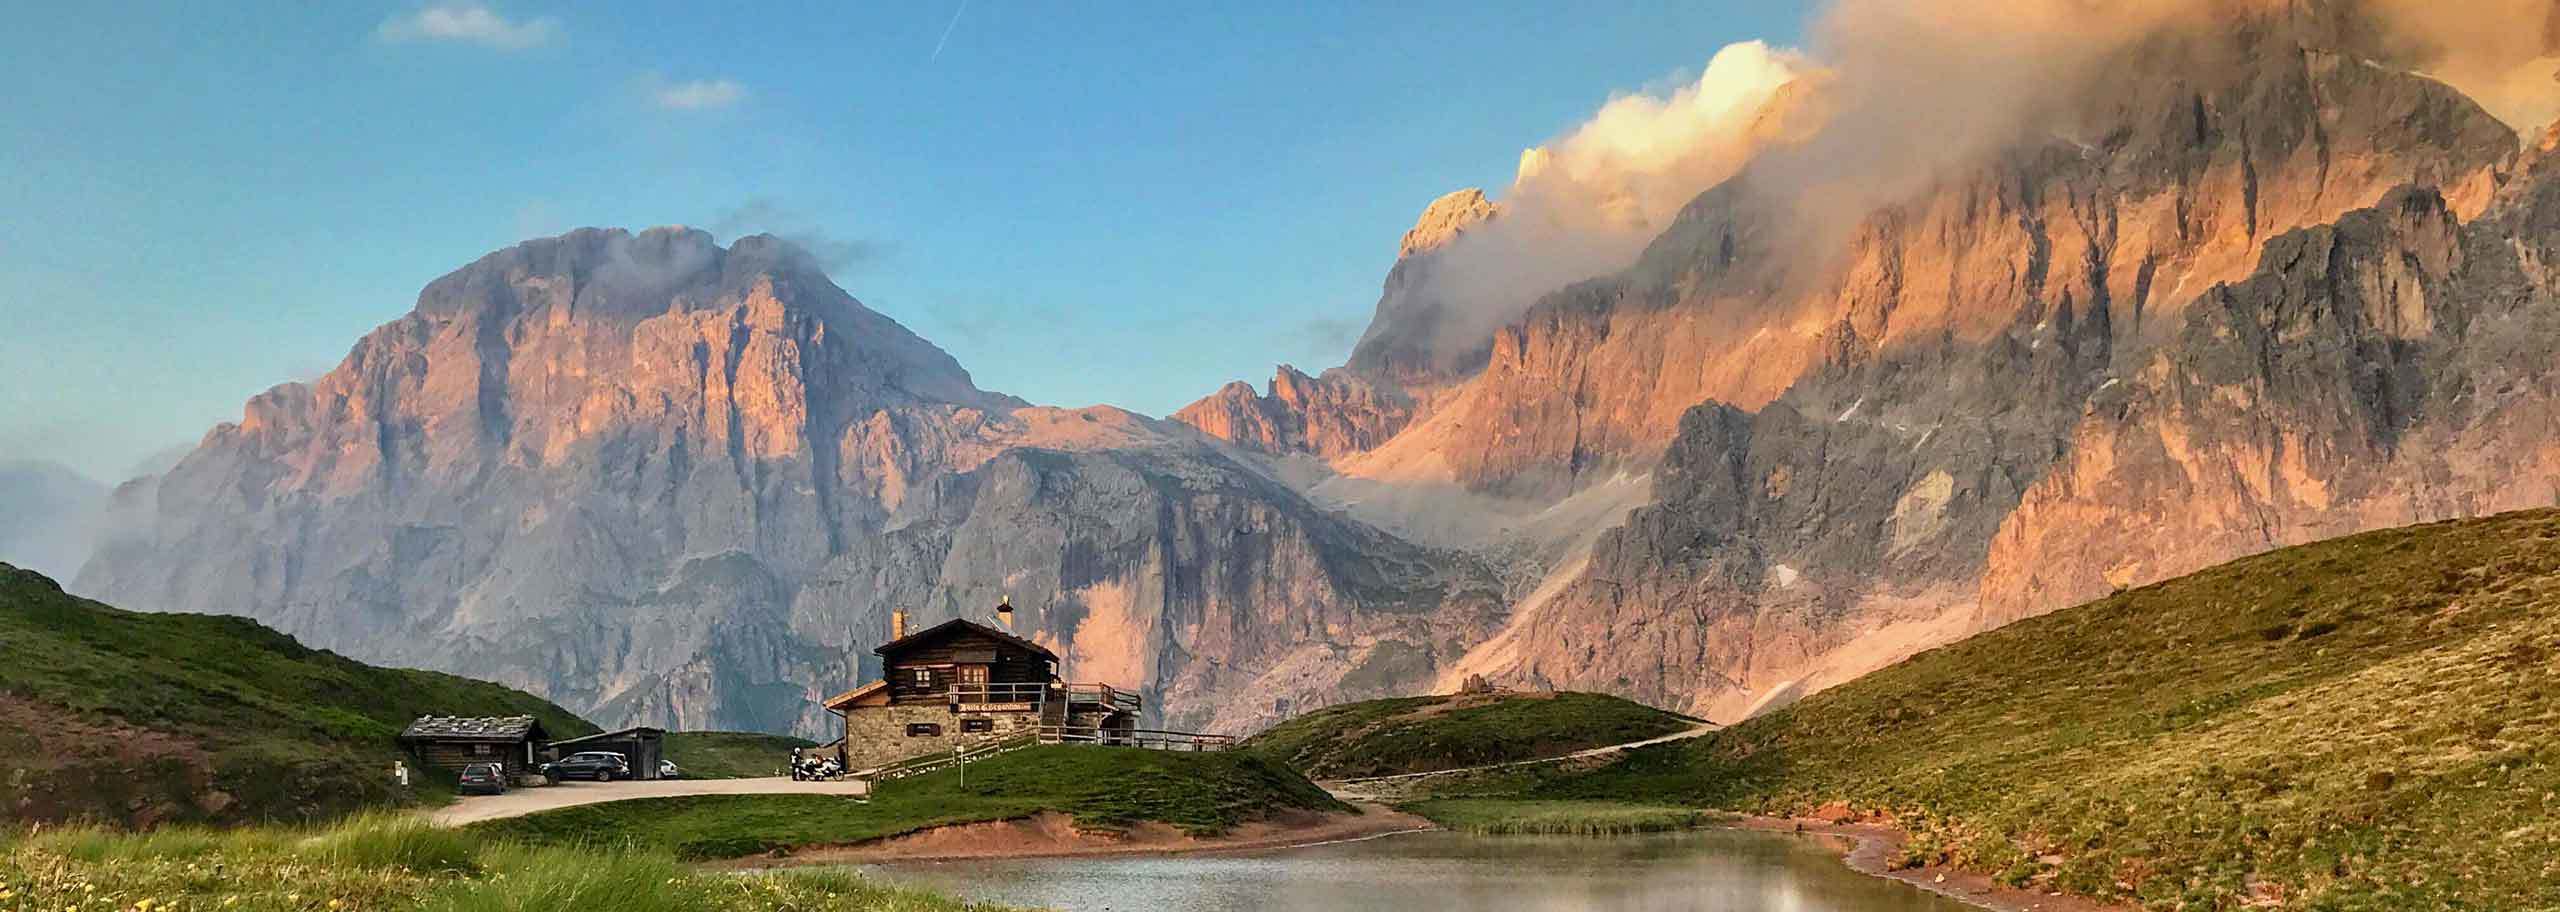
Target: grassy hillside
[127, 718]
[1103, 788]
[2366, 723]
[1415, 734]
[731, 755]
[398, 863]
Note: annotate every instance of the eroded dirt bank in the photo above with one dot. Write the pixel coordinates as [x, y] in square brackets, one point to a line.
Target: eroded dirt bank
[1052, 834]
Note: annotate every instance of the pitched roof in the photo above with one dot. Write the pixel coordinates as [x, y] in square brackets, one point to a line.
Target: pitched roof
[473, 728]
[957, 625]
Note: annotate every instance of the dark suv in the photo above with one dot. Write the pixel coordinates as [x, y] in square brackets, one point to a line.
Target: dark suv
[601, 766]
[484, 779]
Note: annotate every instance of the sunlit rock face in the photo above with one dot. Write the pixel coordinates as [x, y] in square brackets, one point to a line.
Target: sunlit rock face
[2208, 324]
[666, 482]
[1338, 414]
[1402, 344]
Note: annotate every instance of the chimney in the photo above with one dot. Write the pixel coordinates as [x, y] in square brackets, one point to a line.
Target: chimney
[1004, 613]
[898, 624]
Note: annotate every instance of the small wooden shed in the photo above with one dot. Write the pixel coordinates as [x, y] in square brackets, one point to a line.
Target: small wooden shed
[454, 742]
[641, 745]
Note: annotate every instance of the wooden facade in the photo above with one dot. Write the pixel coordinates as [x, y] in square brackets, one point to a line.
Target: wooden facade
[960, 685]
[454, 742]
[968, 659]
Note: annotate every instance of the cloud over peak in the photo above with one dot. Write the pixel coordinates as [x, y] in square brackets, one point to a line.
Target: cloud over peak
[468, 22]
[698, 94]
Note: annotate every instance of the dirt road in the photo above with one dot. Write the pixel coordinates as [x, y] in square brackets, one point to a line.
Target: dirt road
[520, 802]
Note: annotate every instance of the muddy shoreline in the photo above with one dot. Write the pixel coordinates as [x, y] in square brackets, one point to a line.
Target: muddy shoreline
[1871, 849]
[1053, 835]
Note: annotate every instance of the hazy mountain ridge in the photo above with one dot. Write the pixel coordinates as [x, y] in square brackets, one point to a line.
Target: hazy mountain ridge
[49, 516]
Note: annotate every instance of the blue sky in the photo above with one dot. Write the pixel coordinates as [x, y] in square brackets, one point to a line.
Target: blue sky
[1086, 203]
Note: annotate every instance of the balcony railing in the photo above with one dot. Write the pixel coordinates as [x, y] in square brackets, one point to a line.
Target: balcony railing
[999, 693]
[1103, 695]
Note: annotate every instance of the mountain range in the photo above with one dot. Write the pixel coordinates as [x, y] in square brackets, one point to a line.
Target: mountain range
[2244, 281]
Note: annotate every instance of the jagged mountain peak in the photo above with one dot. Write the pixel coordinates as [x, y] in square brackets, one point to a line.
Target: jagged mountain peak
[1447, 218]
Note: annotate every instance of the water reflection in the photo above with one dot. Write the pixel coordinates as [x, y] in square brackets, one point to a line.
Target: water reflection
[1709, 871]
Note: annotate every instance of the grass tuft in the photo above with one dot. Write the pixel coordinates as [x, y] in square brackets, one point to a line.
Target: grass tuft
[384, 863]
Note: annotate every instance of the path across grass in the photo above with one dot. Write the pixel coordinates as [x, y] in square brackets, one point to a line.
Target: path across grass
[523, 801]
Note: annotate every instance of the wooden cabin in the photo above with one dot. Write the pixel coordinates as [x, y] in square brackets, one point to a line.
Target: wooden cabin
[960, 684]
[965, 659]
[454, 742]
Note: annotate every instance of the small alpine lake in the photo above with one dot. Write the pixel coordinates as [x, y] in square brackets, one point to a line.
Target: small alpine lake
[1714, 870]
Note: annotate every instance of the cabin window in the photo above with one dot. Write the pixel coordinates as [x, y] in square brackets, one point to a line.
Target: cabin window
[923, 677]
[977, 725]
[924, 730]
[480, 750]
[973, 674]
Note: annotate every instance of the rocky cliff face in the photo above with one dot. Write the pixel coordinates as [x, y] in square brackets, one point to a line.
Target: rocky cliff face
[2220, 143]
[2395, 367]
[1906, 467]
[1396, 370]
[1335, 415]
[1401, 345]
[661, 481]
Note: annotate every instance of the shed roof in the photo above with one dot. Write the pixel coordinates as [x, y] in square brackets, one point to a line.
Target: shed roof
[636, 731]
[957, 626]
[472, 728]
[842, 700]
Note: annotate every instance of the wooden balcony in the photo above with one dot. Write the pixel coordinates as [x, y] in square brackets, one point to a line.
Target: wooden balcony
[1103, 696]
[1072, 697]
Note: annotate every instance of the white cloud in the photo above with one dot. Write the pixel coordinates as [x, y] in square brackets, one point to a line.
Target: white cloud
[469, 22]
[699, 94]
[1585, 203]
